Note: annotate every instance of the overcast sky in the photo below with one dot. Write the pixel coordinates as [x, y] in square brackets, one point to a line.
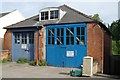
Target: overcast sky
[108, 10]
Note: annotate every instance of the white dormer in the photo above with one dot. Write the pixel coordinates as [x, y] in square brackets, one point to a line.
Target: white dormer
[51, 13]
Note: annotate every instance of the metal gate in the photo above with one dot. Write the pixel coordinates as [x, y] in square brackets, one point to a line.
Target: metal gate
[23, 45]
[65, 44]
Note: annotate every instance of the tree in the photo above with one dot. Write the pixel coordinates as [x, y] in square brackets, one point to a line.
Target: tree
[115, 30]
[96, 17]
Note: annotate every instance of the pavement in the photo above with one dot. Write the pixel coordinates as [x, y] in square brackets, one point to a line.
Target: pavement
[15, 70]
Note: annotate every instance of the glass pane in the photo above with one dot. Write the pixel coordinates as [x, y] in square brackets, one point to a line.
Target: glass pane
[48, 40]
[67, 40]
[31, 38]
[78, 40]
[49, 32]
[58, 41]
[72, 40]
[42, 15]
[82, 40]
[62, 40]
[54, 14]
[46, 15]
[67, 32]
[52, 40]
[51, 14]
[62, 31]
[17, 38]
[72, 31]
[24, 38]
[70, 35]
[58, 32]
[78, 30]
[52, 32]
[82, 31]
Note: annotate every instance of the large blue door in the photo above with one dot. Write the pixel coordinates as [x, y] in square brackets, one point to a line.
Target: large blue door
[23, 45]
[66, 44]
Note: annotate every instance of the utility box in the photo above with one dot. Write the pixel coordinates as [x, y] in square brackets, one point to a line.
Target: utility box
[87, 66]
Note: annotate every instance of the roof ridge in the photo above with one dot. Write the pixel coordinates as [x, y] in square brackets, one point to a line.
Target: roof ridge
[77, 11]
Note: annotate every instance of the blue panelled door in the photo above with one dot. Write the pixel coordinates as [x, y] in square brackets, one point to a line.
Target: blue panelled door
[66, 44]
[23, 45]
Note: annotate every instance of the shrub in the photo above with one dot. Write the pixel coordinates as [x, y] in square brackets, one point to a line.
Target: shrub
[22, 61]
[42, 63]
[32, 63]
[6, 60]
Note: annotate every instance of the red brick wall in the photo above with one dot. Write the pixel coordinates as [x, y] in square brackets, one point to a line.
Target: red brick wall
[95, 44]
[8, 41]
[42, 43]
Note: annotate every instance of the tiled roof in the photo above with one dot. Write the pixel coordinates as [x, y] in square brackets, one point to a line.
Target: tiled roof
[71, 16]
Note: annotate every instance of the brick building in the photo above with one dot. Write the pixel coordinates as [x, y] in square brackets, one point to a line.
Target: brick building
[62, 36]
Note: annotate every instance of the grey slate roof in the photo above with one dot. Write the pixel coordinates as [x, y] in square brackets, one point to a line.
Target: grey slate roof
[71, 16]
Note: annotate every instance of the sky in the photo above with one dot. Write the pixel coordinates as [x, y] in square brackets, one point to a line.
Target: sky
[107, 9]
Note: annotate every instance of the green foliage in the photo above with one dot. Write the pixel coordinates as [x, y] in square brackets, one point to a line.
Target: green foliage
[115, 49]
[96, 17]
[42, 63]
[5, 60]
[115, 30]
[32, 63]
[22, 61]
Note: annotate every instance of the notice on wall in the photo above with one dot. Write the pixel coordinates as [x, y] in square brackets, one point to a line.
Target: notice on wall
[24, 46]
[70, 53]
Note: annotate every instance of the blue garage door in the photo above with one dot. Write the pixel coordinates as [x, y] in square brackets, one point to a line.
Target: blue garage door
[23, 45]
[66, 44]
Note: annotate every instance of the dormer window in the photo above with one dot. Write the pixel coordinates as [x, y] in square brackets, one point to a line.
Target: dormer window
[54, 14]
[51, 13]
[44, 15]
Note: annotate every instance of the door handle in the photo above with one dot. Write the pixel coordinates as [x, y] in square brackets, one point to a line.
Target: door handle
[27, 49]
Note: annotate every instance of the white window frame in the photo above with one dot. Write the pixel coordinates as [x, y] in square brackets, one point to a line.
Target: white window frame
[49, 10]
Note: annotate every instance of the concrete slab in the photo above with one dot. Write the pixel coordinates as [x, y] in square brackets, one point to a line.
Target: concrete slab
[15, 70]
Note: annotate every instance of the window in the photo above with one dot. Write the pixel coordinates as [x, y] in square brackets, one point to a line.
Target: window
[70, 36]
[44, 15]
[17, 38]
[80, 37]
[54, 14]
[24, 38]
[60, 36]
[31, 38]
[50, 36]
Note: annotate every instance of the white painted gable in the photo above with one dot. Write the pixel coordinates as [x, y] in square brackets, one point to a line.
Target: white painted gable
[9, 19]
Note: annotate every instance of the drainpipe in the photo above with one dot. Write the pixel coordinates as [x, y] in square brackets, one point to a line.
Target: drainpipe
[37, 45]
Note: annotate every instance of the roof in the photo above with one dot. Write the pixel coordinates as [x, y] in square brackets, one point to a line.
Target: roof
[3, 14]
[71, 16]
[29, 22]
